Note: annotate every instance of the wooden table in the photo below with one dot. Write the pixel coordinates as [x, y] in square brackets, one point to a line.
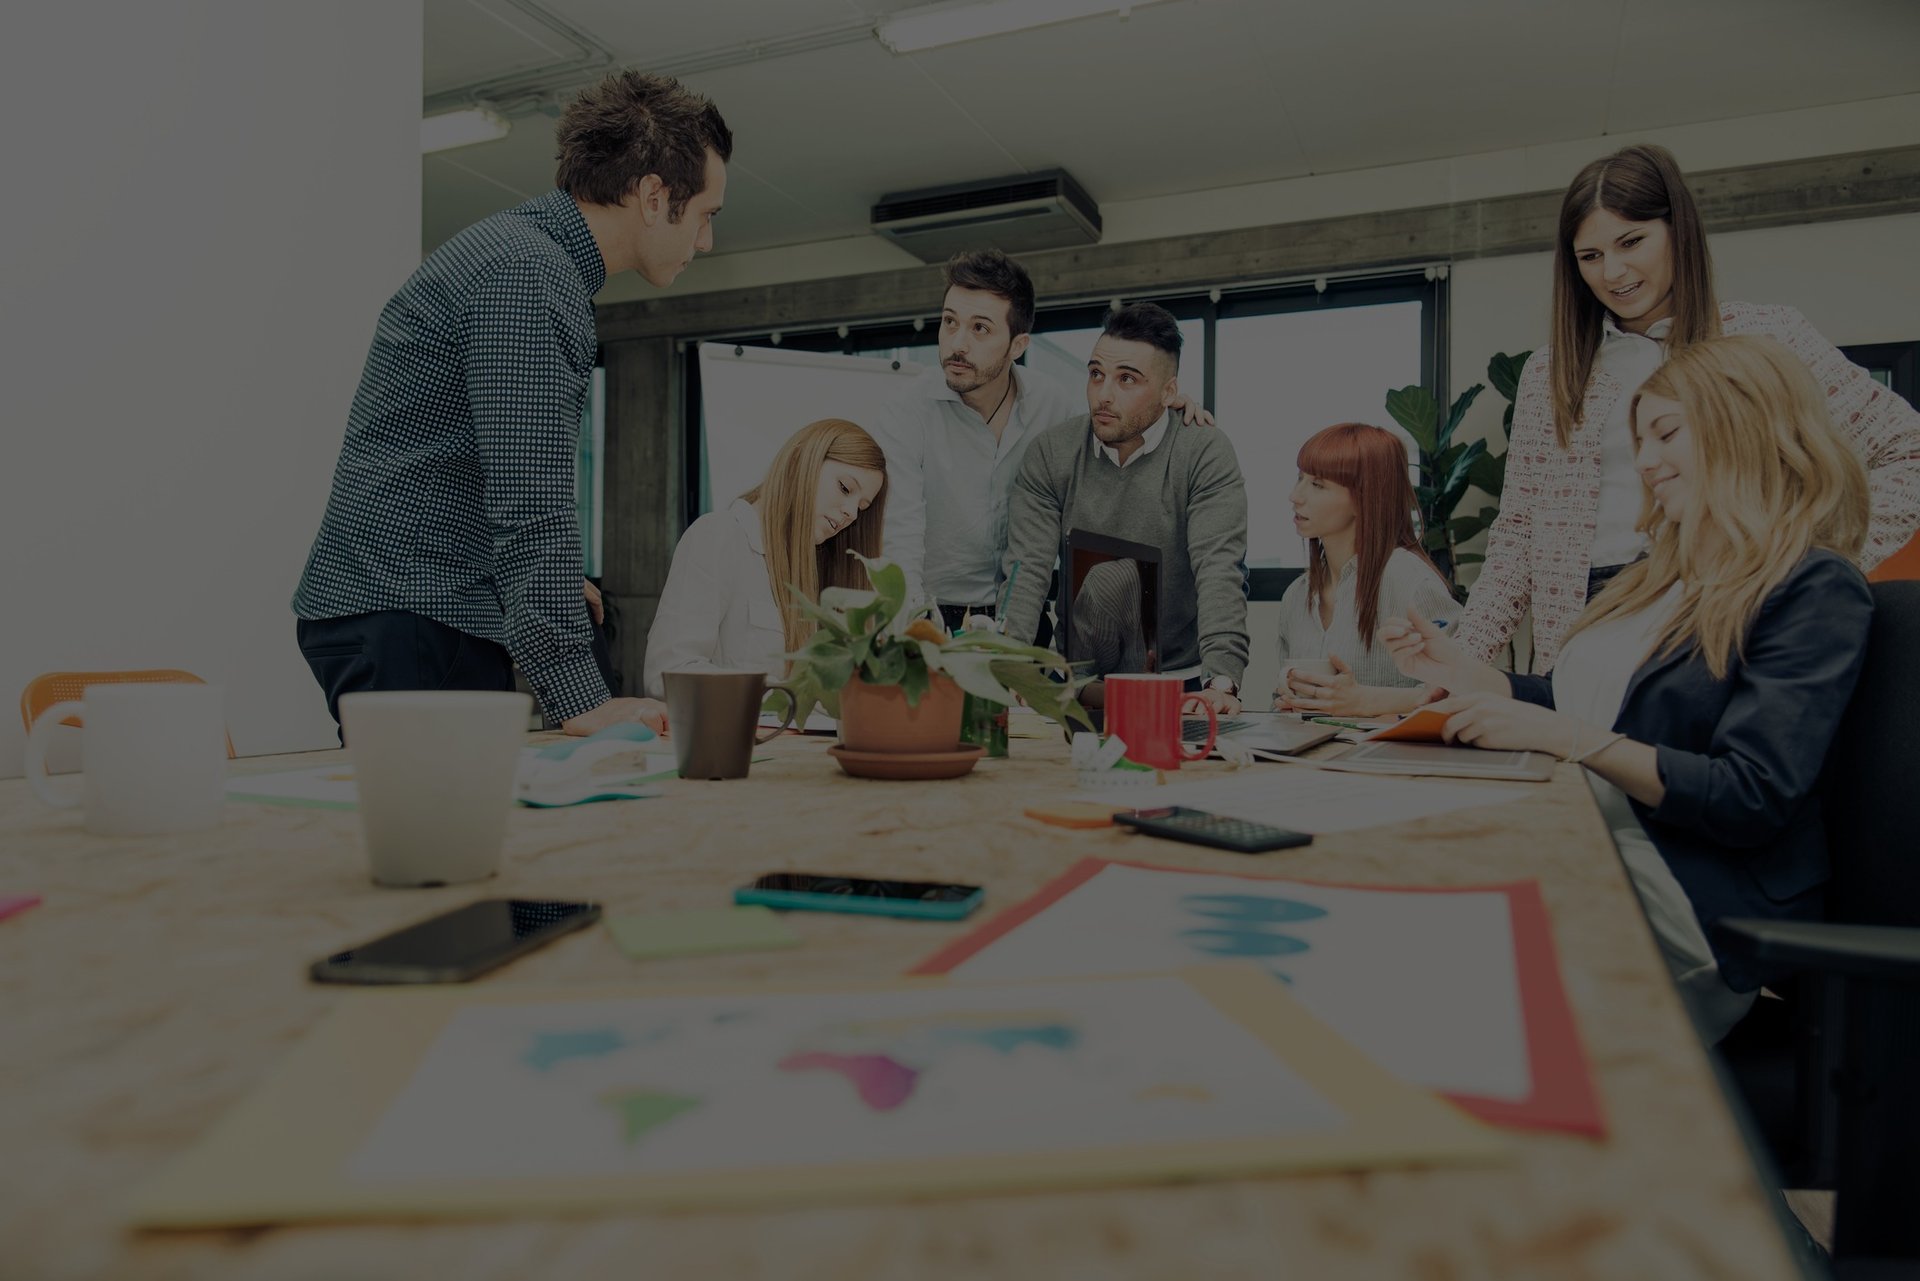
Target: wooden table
[162, 978]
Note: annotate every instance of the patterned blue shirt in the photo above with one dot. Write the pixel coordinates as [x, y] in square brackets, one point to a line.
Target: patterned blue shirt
[453, 497]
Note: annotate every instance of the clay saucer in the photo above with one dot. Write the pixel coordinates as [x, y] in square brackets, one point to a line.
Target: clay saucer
[907, 765]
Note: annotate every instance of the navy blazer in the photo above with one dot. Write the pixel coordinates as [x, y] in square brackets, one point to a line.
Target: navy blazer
[1741, 823]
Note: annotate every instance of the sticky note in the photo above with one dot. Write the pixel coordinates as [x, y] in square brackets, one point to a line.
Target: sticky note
[723, 929]
[1078, 814]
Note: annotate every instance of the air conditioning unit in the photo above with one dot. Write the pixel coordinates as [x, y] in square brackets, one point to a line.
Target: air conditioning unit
[1046, 210]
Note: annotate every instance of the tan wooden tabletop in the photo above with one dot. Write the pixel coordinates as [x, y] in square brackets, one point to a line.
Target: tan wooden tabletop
[162, 978]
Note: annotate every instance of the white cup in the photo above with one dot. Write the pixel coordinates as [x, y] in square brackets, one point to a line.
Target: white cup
[435, 771]
[1310, 666]
[153, 758]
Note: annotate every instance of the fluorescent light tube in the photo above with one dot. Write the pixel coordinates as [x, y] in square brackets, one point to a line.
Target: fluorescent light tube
[462, 129]
[931, 26]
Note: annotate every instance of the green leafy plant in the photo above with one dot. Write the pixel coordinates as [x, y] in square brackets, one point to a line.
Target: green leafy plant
[1448, 468]
[878, 636]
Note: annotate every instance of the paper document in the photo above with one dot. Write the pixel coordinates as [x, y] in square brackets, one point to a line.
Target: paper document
[1453, 988]
[507, 1103]
[332, 786]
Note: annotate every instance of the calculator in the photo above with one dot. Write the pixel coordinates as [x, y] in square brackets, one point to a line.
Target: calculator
[1179, 823]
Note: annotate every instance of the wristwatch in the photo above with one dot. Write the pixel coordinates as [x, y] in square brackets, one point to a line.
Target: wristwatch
[1225, 684]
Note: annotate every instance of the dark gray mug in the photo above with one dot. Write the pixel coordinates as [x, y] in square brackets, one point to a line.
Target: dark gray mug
[713, 718]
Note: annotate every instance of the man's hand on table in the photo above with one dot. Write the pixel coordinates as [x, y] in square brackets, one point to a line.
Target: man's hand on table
[1222, 703]
[650, 712]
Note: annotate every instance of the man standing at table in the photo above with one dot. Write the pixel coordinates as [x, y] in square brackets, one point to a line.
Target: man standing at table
[1130, 469]
[450, 550]
[955, 440]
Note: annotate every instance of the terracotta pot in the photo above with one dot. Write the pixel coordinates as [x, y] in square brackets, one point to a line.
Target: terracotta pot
[876, 718]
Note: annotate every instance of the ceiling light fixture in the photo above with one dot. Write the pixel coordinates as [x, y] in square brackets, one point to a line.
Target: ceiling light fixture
[462, 129]
[931, 26]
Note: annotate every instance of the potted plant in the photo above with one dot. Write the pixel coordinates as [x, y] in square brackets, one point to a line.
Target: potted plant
[895, 679]
[1448, 468]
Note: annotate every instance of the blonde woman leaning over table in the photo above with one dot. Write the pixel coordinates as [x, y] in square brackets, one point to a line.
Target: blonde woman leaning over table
[729, 598]
[1353, 503]
[1703, 685]
[1632, 284]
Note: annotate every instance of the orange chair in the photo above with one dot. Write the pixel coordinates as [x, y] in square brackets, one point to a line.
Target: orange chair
[45, 690]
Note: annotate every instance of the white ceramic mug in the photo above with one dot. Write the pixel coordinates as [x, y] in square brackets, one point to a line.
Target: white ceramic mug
[435, 772]
[153, 758]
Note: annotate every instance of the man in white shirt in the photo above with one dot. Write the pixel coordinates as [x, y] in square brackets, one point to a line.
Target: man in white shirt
[954, 442]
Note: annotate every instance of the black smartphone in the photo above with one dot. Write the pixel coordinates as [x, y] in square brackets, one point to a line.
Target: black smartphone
[458, 945]
[1179, 823]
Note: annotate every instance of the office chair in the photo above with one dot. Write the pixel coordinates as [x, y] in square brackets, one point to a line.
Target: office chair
[45, 690]
[1831, 1076]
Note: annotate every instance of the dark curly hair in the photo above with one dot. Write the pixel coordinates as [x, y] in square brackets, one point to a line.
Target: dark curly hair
[991, 271]
[633, 124]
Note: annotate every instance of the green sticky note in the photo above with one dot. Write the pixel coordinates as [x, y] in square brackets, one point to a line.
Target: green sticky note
[721, 929]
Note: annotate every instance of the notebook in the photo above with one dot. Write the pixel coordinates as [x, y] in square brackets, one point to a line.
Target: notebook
[1441, 760]
[1280, 732]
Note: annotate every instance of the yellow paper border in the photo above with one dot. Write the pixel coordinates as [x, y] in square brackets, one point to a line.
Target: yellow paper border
[278, 1156]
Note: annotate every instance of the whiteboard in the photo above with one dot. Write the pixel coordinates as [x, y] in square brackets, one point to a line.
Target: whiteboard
[753, 398]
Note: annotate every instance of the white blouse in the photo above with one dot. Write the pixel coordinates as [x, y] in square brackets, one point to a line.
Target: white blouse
[1631, 360]
[717, 610]
[1406, 582]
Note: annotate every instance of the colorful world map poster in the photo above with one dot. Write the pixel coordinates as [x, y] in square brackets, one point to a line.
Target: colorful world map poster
[703, 1084]
[405, 1105]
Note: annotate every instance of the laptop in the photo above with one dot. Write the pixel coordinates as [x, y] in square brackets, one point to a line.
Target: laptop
[1080, 551]
[1283, 733]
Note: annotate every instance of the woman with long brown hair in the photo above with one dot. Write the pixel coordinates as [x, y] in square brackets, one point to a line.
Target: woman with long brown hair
[729, 598]
[1633, 285]
[1704, 684]
[1353, 503]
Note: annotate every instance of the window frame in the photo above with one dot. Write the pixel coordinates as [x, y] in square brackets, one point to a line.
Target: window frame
[1425, 285]
[1901, 360]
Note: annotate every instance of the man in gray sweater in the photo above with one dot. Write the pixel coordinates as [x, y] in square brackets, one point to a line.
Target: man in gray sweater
[1132, 470]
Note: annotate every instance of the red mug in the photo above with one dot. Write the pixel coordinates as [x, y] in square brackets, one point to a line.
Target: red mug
[1144, 712]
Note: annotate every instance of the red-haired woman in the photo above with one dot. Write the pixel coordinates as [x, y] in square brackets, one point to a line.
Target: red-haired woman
[1632, 284]
[1354, 505]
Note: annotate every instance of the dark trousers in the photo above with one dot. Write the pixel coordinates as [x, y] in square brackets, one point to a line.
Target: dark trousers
[954, 616]
[393, 649]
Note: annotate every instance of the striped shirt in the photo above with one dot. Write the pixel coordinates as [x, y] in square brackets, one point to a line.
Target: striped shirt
[453, 497]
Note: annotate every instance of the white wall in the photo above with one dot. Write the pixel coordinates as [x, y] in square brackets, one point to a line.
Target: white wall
[209, 202]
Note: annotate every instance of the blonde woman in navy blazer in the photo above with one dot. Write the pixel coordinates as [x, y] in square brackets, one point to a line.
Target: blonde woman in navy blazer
[1704, 684]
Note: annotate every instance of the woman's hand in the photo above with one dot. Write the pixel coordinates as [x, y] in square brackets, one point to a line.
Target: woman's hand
[1336, 695]
[1427, 654]
[596, 604]
[1190, 413]
[1507, 724]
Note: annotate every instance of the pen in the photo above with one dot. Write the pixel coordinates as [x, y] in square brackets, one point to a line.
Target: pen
[1328, 720]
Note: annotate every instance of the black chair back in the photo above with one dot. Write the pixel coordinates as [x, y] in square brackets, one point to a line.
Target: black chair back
[1873, 797]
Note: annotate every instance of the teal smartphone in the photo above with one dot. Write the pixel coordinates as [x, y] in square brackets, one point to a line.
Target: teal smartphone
[806, 892]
